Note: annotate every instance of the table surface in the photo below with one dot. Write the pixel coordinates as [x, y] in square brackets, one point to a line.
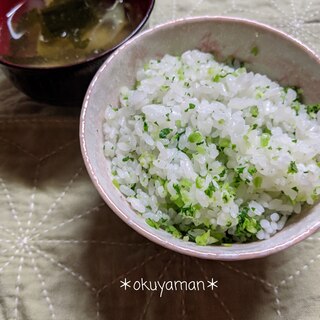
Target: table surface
[63, 253]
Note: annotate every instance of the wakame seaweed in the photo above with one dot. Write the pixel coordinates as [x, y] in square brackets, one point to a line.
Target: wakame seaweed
[68, 19]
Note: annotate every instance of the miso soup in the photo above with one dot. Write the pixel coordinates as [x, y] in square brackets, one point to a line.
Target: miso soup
[61, 32]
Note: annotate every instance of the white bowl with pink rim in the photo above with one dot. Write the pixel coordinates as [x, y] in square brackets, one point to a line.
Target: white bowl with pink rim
[280, 57]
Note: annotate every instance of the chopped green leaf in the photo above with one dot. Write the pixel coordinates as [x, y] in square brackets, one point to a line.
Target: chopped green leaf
[226, 196]
[164, 88]
[216, 78]
[199, 182]
[116, 183]
[257, 182]
[224, 142]
[252, 170]
[191, 106]
[254, 111]
[181, 74]
[133, 186]
[178, 202]
[190, 210]
[203, 239]
[200, 149]
[240, 170]
[266, 130]
[177, 188]
[236, 181]
[127, 158]
[250, 225]
[164, 132]
[254, 126]
[174, 231]
[264, 140]
[210, 190]
[292, 168]
[312, 110]
[195, 137]
[222, 173]
[247, 226]
[178, 135]
[185, 183]
[152, 223]
[296, 107]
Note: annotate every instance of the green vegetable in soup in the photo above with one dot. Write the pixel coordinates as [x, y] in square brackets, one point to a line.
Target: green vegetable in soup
[68, 19]
[59, 32]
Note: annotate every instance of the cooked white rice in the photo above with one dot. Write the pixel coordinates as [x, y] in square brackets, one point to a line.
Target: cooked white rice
[210, 153]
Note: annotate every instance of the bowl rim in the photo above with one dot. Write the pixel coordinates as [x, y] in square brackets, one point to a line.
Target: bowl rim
[223, 256]
[90, 59]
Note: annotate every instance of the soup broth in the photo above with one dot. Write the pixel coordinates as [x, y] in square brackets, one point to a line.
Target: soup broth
[61, 32]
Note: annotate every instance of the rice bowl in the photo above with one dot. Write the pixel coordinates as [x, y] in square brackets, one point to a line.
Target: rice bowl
[280, 57]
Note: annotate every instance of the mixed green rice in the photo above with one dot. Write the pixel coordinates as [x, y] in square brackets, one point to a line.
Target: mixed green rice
[213, 153]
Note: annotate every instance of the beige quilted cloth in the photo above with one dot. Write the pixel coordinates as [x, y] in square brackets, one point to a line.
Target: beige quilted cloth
[63, 253]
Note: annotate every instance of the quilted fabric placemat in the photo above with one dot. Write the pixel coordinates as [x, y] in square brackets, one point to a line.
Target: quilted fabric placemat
[64, 255]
